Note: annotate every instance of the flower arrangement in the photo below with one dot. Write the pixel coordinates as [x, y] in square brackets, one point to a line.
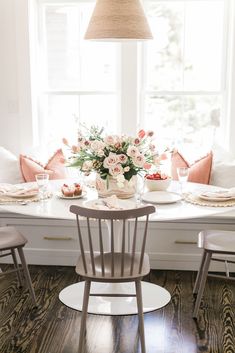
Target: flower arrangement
[119, 157]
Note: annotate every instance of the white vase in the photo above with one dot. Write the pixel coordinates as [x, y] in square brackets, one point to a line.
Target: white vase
[109, 187]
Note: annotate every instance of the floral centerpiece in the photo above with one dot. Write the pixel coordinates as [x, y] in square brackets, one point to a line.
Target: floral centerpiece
[115, 159]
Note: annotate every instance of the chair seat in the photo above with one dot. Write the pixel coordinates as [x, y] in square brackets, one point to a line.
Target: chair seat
[217, 240]
[117, 267]
[11, 238]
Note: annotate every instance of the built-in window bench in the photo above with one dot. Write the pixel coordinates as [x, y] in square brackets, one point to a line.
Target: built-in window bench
[170, 245]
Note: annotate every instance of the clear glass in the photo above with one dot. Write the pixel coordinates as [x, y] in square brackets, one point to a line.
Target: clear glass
[140, 186]
[42, 182]
[183, 173]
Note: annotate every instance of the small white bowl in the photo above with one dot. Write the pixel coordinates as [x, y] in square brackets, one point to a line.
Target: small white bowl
[157, 185]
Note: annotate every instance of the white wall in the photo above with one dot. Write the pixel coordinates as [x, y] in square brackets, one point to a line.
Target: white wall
[15, 97]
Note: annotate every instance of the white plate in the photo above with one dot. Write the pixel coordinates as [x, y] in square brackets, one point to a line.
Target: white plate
[22, 196]
[62, 196]
[99, 204]
[161, 197]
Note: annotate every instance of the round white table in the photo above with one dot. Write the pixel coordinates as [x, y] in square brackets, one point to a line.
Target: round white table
[154, 296]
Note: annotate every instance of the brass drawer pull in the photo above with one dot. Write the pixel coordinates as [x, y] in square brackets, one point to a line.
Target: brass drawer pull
[185, 242]
[57, 238]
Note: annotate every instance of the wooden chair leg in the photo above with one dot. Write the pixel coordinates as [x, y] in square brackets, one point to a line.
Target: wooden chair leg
[202, 283]
[199, 274]
[16, 266]
[84, 315]
[27, 275]
[140, 314]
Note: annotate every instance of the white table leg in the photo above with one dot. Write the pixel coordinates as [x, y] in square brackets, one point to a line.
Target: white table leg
[154, 297]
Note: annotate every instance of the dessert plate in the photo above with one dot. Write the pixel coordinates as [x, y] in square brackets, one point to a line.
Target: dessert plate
[161, 197]
[62, 196]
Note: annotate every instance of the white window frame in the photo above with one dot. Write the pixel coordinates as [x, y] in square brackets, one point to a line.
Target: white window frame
[131, 85]
[228, 59]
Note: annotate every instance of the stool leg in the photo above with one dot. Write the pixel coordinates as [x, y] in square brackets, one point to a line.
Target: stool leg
[16, 266]
[84, 315]
[27, 275]
[140, 314]
[202, 283]
[199, 274]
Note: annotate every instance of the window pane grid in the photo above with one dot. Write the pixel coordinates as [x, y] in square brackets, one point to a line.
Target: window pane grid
[183, 86]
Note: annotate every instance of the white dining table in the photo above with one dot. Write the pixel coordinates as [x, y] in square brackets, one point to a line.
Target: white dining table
[154, 296]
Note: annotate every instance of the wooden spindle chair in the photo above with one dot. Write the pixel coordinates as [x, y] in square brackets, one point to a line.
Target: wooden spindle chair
[214, 243]
[112, 265]
[10, 241]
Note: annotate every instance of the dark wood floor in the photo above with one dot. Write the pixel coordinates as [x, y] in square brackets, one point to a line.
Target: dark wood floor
[54, 328]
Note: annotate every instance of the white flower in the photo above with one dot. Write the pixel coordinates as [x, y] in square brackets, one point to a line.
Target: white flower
[120, 180]
[97, 146]
[100, 153]
[139, 160]
[110, 140]
[132, 151]
[116, 170]
[87, 166]
[122, 158]
[126, 169]
[111, 160]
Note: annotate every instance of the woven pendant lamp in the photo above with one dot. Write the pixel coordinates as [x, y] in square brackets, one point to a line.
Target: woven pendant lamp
[116, 20]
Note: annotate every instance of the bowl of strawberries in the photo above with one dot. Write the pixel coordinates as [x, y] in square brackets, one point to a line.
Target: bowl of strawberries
[157, 181]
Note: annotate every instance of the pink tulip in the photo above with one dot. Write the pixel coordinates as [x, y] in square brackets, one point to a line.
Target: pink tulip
[147, 165]
[141, 134]
[163, 157]
[65, 141]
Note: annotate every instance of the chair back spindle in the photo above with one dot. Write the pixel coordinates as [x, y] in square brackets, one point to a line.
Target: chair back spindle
[124, 257]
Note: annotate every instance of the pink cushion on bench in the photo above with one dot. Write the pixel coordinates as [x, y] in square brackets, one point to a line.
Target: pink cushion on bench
[200, 170]
[54, 167]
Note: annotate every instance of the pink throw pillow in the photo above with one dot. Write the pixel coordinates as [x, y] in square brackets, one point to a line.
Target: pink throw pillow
[54, 167]
[199, 172]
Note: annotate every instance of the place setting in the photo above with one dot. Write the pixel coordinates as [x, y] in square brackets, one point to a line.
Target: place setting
[18, 194]
[212, 198]
[157, 185]
[23, 194]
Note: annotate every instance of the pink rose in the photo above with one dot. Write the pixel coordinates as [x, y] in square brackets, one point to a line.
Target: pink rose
[139, 160]
[97, 145]
[122, 158]
[111, 160]
[150, 133]
[132, 151]
[136, 141]
[110, 140]
[116, 170]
